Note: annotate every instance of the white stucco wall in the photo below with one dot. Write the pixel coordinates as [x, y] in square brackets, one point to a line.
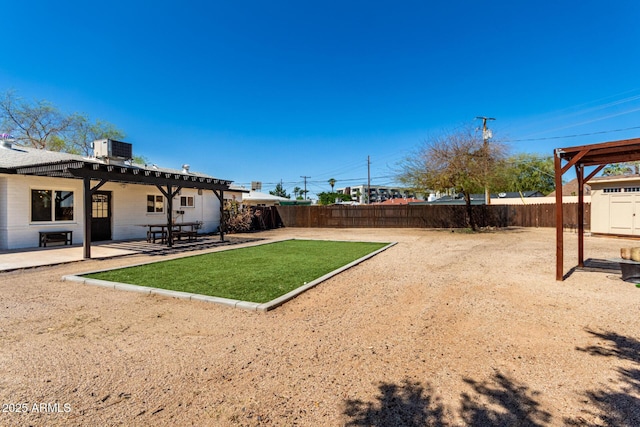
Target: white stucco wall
[128, 210]
[3, 212]
[17, 229]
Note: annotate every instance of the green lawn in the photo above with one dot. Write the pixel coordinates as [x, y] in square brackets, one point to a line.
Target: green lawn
[257, 274]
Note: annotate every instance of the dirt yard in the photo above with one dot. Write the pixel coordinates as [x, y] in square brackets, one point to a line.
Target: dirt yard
[445, 329]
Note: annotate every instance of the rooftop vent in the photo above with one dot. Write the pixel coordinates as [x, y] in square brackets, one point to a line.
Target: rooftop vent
[109, 149]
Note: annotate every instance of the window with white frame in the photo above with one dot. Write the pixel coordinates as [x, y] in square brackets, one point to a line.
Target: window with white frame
[155, 203]
[187, 202]
[51, 205]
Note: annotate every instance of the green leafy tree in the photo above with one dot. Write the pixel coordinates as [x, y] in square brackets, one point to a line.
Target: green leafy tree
[330, 198]
[458, 161]
[279, 191]
[526, 172]
[83, 132]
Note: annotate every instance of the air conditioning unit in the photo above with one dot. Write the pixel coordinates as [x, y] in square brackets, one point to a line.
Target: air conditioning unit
[110, 149]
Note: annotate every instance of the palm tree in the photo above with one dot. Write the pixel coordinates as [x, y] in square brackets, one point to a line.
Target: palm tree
[332, 182]
[296, 191]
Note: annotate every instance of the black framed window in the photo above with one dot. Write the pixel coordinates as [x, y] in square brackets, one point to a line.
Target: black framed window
[187, 202]
[51, 205]
[155, 203]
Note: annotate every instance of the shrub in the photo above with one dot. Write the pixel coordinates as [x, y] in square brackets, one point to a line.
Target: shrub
[237, 218]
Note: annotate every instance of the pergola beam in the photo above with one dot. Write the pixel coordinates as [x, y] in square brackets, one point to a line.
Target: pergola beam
[573, 161]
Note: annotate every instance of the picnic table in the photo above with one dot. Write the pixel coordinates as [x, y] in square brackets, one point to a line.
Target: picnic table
[188, 230]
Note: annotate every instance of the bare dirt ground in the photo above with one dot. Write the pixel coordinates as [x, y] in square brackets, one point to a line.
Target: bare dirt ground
[445, 329]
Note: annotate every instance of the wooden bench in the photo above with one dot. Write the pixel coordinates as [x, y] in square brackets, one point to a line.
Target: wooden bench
[64, 236]
[153, 235]
[191, 235]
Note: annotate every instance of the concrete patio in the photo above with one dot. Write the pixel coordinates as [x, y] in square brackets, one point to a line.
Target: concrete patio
[37, 257]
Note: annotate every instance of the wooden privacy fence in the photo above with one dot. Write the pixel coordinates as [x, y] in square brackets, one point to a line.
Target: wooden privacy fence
[429, 216]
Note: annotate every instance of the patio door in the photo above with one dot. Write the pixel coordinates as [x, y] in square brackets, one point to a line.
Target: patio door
[101, 216]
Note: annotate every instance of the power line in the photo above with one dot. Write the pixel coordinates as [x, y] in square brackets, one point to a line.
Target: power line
[565, 113]
[573, 136]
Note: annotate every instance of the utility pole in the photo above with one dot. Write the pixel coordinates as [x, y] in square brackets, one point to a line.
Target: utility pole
[368, 180]
[305, 185]
[486, 136]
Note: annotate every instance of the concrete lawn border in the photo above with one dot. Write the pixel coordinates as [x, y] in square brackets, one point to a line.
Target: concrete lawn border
[245, 305]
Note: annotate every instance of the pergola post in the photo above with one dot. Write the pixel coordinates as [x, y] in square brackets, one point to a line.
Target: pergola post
[169, 194]
[87, 194]
[559, 218]
[580, 177]
[169, 197]
[88, 209]
[220, 196]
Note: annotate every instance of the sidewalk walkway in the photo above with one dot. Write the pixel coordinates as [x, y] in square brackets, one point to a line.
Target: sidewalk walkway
[37, 257]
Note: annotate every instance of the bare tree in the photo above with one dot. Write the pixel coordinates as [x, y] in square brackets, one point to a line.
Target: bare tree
[457, 160]
[40, 124]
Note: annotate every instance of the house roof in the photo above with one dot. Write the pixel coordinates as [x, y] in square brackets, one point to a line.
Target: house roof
[399, 201]
[614, 179]
[238, 188]
[257, 196]
[290, 202]
[478, 199]
[33, 161]
[15, 157]
[571, 188]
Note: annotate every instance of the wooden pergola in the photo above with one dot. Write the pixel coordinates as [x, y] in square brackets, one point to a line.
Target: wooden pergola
[580, 157]
[168, 182]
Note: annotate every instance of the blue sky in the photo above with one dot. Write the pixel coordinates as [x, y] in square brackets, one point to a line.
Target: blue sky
[271, 91]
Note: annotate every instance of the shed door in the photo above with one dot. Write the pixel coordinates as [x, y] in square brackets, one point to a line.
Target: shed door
[623, 213]
[101, 216]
